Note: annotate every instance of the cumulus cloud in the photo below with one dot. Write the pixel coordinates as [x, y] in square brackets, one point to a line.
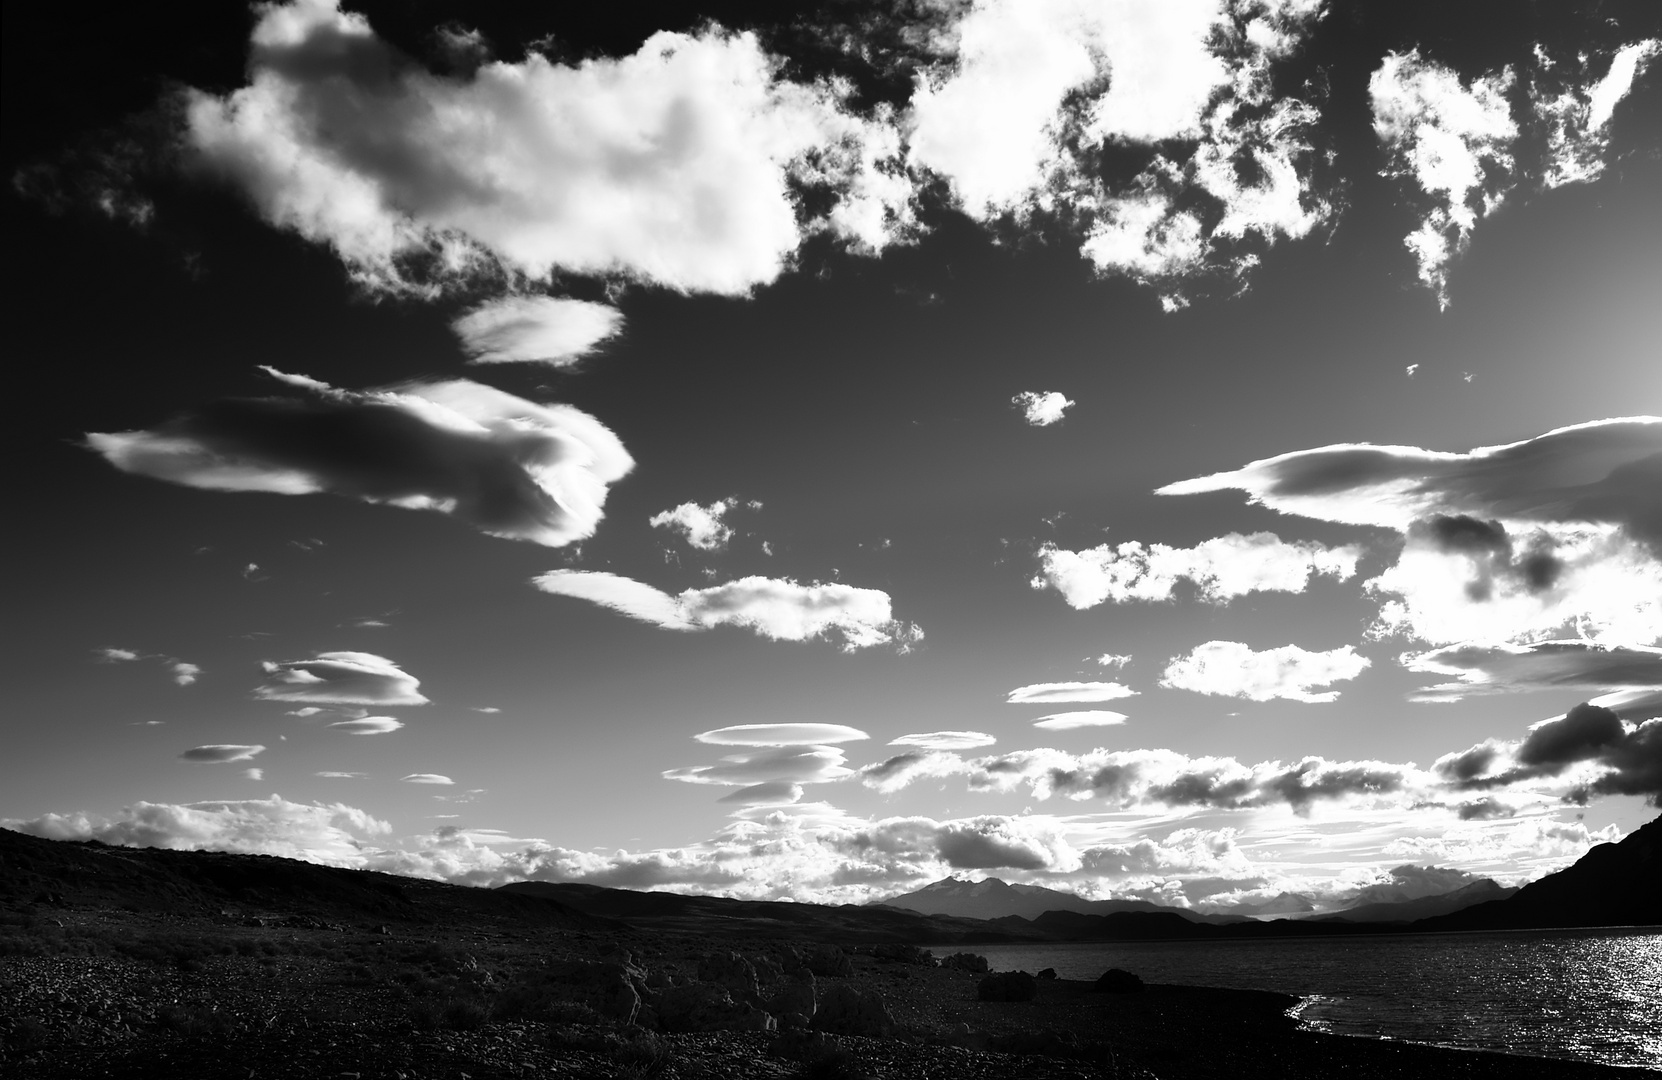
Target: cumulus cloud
[779, 609]
[1071, 721]
[1545, 665]
[701, 527]
[982, 843]
[1233, 669]
[1511, 542]
[1044, 693]
[945, 740]
[538, 329]
[506, 466]
[787, 734]
[673, 165]
[427, 778]
[367, 725]
[341, 678]
[1041, 409]
[1588, 751]
[217, 753]
[1219, 569]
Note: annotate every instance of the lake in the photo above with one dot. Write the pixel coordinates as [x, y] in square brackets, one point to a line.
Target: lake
[1587, 995]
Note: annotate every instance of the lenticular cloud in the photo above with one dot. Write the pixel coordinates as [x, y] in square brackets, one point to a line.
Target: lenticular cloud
[342, 678]
[506, 466]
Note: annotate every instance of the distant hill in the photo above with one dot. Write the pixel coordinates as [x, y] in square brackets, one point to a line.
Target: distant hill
[1283, 903]
[1478, 892]
[992, 898]
[1612, 885]
[772, 918]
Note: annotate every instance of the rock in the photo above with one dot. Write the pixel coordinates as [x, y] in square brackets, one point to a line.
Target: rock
[1007, 986]
[1118, 981]
[768, 968]
[604, 986]
[800, 995]
[707, 1007]
[844, 1010]
[963, 961]
[730, 971]
[904, 954]
[1047, 973]
[828, 960]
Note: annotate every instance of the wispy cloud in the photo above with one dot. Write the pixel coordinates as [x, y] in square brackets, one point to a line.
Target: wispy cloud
[183, 672]
[341, 678]
[1544, 665]
[1041, 409]
[506, 466]
[1219, 569]
[945, 740]
[785, 764]
[1045, 693]
[776, 608]
[541, 329]
[219, 753]
[1233, 669]
[1086, 718]
[368, 725]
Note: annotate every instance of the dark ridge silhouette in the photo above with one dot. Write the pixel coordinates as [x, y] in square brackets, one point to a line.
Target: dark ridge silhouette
[992, 898]
[1424, 907]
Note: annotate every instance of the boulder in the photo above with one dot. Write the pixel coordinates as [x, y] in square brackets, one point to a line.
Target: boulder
[1007, 986]
[799, 995]
[1047, 973]
[730, 971]
[1118, 981]
[604, 986]
[828, 960]
[844, 1010]
[963, 961]
[707, 1007]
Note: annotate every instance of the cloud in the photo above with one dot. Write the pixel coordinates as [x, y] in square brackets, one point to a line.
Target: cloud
[945, 740]
[1508, 542]
[1578, 115]
[1588, 751]
[115, 656]
[1544, 665]
[982, 843]
[1220, 569]
[341, 678]
[427, 778]
[254, 774]
[775, 608]
[506, 466]
[1233, 669]
[701, 527]
[1044, 693]
[789, 734]
[368, 725]
[184, 673]
[1071, 721]
[768, 793]
[674, 165]
[905, 769]
[536, 329]
[1115, 660]
[327, 833]
[784, 764]
[218, 753]
[341, 775]
[1532, 840]
[1041, 409]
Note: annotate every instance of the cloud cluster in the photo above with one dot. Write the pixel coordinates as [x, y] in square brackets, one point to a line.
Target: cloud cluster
[1219, 569]
[340, 678]
[779, 609]
[674, 165]
[1561, 532]
[536, 329]
[506, 466]
[782, 758]
[1042, 409]
[1233, 669]
[183, 672]
[701, 527]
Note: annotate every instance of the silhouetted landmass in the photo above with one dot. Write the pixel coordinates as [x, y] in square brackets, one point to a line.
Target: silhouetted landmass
[1424, 907]
[992, 898]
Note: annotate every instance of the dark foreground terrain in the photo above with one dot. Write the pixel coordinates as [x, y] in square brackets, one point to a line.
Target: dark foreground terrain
[133, 963]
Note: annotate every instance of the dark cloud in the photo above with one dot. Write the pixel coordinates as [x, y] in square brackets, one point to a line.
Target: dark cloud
[1490, 549]
[217, 753]
[1484, 809]
[1579, 734]
[1471, 763]
[1543, 665]
[1313, 779]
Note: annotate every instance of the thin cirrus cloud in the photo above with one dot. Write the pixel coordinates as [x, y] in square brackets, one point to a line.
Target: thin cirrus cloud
[945, 740]
[1507, 542]
[219, 753]
[774, 608]
[340, 678]
[557, 331]
[506, 466]
[702, 527]
[1543, 665]
[1084, 718]
[674, 165]
[1042, 409]
[1046, 693]
[427, 778]
[367, 725]
[1220, 569]
[1289, 673]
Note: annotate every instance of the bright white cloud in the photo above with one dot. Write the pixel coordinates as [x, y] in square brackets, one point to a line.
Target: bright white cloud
[1220, 569]
[367, 725]
[775, 608]
[671, 166]
[945, 740]
[341, 678]
[767, 793]
[218, 753]
[427, 778]
[1045, 693]
[183, 673]
[701, 527]
[507, 466]
[541, 329]
[1232, 669]
[1578, 116]
[1085, 718]
[1450, 138]
[1114, 660]
[328, 774]
[1041, 409]
[785, 764]
[789, 734]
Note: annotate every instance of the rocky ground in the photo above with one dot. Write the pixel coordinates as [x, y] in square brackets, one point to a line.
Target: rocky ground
[122, 994]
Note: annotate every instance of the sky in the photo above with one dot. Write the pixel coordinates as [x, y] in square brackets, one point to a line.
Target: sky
[1188, 450]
